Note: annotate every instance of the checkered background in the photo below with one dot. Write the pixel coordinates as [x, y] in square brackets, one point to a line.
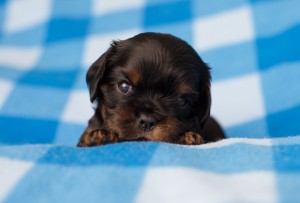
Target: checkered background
[46, 47]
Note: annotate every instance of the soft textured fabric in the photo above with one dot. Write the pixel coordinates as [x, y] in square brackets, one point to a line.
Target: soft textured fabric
[46, 47]
[232, 170]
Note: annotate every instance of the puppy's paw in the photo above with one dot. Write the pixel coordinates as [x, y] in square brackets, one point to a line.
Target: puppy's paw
[191, 138]
[97, 137]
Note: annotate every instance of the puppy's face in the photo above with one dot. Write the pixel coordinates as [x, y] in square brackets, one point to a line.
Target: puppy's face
[150, 87]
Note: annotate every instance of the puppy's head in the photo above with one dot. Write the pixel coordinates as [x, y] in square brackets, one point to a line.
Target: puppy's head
[150, 87]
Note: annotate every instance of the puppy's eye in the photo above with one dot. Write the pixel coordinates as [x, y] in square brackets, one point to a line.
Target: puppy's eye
[124, 87]
[181, 101]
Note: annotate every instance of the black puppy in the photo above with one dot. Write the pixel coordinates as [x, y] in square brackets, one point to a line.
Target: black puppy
[150, 87]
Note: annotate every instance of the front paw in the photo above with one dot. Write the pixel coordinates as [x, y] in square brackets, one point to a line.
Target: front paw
[191, 138]
[97, 137]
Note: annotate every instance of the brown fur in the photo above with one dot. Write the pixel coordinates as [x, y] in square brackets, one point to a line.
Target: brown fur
[169, 99]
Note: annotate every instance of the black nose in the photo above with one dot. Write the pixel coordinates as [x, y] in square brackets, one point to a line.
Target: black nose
[146, 123]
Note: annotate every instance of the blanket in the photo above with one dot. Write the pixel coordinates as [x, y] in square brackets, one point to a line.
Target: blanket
[253, 49]
[232, 170]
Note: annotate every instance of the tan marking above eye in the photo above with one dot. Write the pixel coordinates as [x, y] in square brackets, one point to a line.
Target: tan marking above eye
[186, 88]
[134, 76]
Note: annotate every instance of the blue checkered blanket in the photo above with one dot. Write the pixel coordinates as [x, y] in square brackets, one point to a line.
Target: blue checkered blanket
[46, 48]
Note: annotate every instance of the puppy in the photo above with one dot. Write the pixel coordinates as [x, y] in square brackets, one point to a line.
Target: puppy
[154, 87]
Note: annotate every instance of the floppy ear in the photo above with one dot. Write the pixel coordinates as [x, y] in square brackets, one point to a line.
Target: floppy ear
[204, 96]
[204, 104]
[96, 72]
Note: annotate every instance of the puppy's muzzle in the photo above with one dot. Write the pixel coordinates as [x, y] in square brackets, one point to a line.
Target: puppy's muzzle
[146, 122]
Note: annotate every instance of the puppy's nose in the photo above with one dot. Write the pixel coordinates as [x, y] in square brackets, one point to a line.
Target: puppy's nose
[146, 122]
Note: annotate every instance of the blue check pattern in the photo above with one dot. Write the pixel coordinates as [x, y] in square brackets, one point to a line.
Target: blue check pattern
[46, 47]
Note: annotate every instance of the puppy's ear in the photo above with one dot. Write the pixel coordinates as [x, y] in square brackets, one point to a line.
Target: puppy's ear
[205, 96]
[204, 104]
[96, 72]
